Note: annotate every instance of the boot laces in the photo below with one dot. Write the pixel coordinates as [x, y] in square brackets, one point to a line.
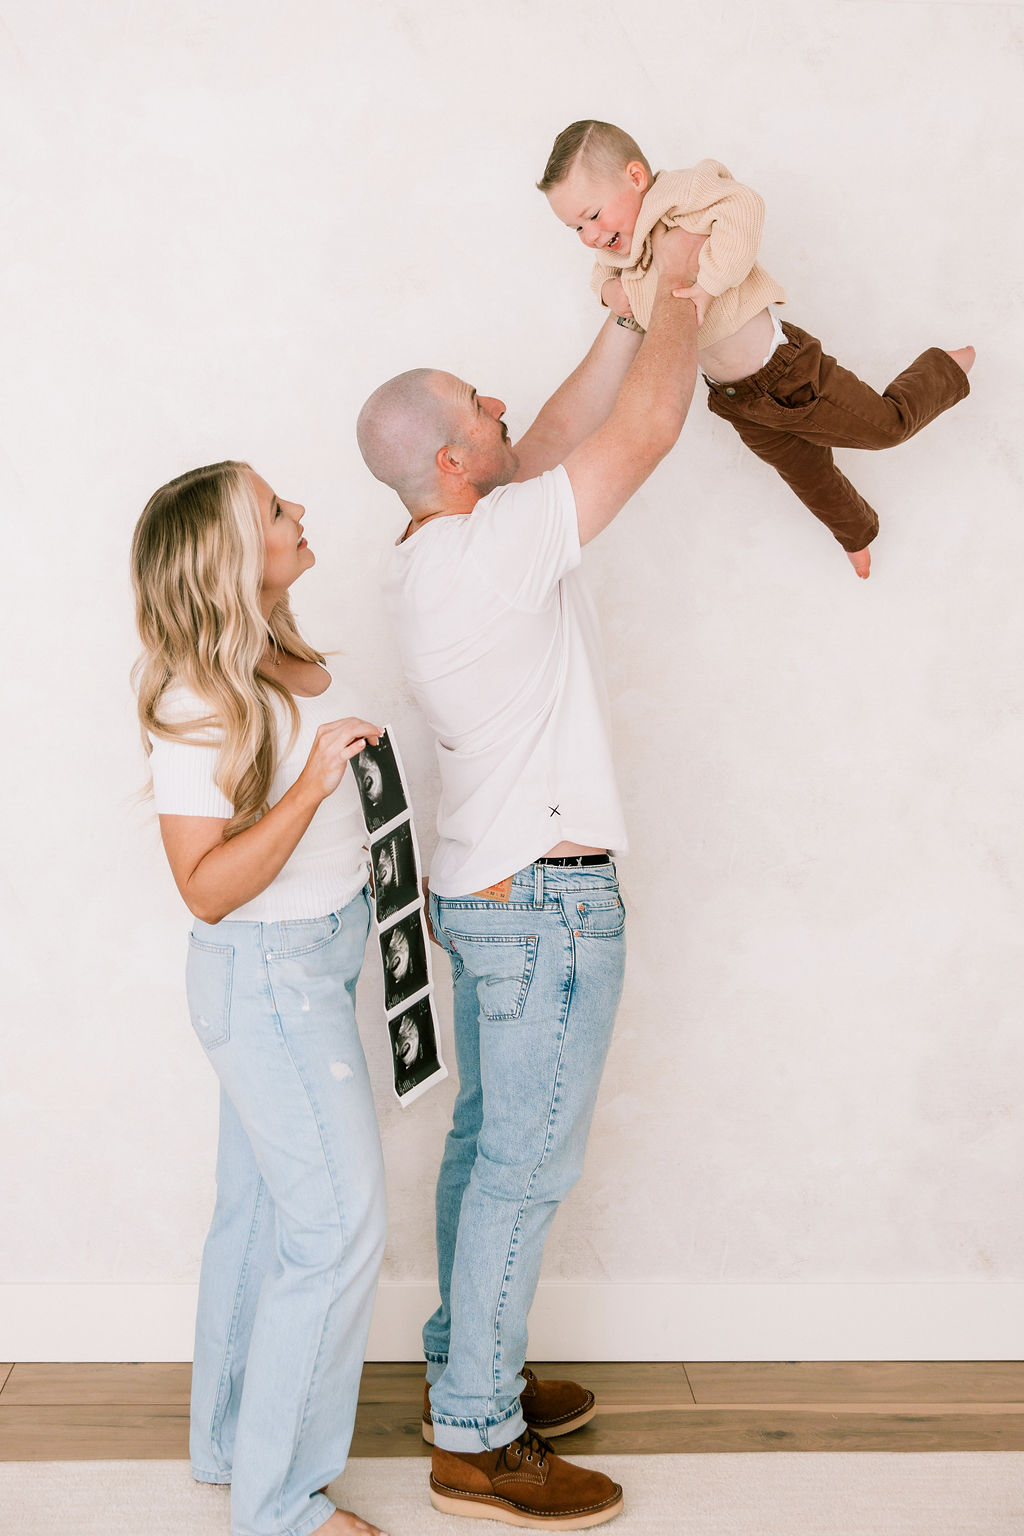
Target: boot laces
[532, 1447]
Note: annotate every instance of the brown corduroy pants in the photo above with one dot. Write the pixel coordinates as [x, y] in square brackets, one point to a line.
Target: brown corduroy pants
[802, 404]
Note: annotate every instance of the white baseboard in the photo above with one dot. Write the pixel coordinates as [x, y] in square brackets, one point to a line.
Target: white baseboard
[572, 1322]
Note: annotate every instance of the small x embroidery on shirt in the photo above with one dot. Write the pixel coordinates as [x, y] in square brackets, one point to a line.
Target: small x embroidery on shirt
[554, 809]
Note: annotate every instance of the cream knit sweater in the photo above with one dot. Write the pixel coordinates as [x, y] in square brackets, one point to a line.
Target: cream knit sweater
[705, 201]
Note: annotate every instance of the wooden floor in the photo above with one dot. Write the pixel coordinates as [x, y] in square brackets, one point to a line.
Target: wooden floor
[109, 1412]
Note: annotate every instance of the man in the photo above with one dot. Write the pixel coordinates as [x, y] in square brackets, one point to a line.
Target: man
[500, 644]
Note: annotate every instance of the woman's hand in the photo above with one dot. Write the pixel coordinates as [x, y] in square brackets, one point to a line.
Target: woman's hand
[335, 744]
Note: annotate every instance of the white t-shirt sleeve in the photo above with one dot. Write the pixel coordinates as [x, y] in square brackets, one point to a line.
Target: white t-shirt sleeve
[184, 782]
[524, 538]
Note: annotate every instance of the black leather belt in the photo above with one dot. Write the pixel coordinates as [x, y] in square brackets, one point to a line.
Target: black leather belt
[577, 860]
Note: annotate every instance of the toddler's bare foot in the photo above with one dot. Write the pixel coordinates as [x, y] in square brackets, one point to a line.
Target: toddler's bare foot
[964, 356]
[860, 559]
[344, 1523]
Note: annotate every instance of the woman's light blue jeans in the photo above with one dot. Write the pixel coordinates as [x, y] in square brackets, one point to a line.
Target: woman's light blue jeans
[537, 981]
[290, 1264]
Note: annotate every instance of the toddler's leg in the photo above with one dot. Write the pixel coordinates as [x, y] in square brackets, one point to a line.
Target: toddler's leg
[810, 472]
[847, 413]
[803, 403]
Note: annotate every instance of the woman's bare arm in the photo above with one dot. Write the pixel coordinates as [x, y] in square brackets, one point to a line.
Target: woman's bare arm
[216, 877]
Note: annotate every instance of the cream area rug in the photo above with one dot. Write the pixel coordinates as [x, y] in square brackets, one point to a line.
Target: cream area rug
[776, 1494]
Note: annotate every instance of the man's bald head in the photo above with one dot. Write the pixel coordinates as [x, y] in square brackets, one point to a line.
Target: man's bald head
[402, 426]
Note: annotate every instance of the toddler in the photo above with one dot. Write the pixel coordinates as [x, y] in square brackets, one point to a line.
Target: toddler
[789, 401]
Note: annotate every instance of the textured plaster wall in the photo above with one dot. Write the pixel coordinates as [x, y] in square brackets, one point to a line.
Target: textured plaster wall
[222, 225]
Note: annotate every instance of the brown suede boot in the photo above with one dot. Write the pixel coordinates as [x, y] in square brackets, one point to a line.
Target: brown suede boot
[549, 1407]
[524, 1483]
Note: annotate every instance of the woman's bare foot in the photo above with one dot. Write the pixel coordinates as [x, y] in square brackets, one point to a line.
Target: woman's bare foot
[860, 559]
[964, 356]
[344, 1523]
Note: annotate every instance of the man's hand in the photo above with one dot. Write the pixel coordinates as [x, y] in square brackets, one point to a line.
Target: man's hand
[425, 885]
[699, 297]
[677, 254]
[613, 296]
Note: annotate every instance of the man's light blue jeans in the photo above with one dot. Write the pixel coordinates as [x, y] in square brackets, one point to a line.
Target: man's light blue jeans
[290, 1264]
[537, 981]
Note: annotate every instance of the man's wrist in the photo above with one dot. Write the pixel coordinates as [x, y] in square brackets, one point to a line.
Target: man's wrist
[629, 323]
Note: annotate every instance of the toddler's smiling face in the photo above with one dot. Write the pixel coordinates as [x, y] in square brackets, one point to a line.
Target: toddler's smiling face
[601, 207]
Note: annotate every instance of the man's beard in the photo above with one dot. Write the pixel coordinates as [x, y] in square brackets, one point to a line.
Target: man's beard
[502, 476]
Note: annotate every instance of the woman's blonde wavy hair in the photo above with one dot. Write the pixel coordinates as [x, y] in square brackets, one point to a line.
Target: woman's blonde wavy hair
[197, 572]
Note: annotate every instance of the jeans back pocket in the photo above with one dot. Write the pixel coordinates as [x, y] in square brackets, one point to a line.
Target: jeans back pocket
[502, 965]
[208, 973]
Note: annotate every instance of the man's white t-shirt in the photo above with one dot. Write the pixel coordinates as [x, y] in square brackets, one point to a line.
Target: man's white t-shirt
[501, 646]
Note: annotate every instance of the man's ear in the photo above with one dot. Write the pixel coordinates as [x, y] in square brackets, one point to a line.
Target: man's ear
[448, 461]
[637, 174]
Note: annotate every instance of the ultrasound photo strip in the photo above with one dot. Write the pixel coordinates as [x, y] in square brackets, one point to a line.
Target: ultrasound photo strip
[380, 780]
[409, 1005]
[413, 1032]
[403, 953]
[394, 859]
[401, 920]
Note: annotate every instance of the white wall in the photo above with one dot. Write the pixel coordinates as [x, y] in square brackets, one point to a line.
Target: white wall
[223, 224]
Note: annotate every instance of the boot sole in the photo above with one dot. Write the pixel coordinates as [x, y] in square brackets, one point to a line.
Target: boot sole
[480, 1506]
[550, 1433]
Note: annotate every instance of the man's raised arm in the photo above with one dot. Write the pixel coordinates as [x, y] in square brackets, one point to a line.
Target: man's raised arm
[583, 403]
[579, 406]
[651, 404]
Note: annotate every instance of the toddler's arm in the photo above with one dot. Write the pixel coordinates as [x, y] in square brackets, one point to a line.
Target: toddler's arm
[732, 217]
[613, 297]
[600, 277]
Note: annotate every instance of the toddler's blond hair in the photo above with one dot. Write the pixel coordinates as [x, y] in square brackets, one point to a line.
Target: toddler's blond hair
[600, 147]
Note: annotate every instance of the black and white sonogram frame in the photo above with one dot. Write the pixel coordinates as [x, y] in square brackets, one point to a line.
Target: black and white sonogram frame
[401, 920]
[396, 873]
[413, 1032]
[379, 780]
[403, 952]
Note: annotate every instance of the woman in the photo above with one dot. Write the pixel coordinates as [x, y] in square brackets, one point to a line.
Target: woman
[262, 831]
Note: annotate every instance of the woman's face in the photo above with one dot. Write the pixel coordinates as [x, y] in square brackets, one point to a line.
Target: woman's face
[285, 552]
